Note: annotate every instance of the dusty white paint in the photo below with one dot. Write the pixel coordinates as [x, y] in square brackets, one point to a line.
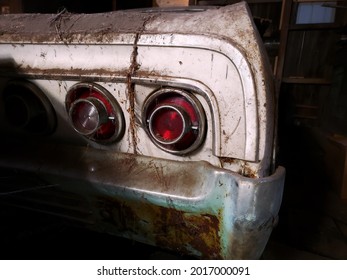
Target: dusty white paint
[220, 60]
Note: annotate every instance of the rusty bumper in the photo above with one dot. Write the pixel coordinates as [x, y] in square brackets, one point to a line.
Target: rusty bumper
[190, 207]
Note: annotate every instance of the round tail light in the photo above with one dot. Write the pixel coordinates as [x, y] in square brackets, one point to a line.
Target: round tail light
[27, 109]
[174, 120]
[94, 113]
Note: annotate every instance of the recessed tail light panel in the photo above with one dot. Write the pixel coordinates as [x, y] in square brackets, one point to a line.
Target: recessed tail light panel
[27, 109]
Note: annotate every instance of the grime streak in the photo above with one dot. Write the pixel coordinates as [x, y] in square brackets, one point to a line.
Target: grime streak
[134, 67]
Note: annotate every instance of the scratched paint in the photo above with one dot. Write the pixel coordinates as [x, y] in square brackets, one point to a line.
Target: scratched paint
[219, 202]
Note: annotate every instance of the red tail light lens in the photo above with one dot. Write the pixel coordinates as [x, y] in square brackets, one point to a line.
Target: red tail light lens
[168, 124]
[175, 120]
[94, 113]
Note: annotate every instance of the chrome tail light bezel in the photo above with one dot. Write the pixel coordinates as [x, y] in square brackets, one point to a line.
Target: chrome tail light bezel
[109, 113]
[160, 100]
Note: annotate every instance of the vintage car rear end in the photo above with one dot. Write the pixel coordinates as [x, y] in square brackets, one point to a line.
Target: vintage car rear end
[153, 125]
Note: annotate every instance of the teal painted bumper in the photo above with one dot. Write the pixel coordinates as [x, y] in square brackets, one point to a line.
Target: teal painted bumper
[189, 207]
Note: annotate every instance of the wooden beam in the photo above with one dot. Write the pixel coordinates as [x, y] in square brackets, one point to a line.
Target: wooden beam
[172, 3]
[228, 2]
[313, 1]
[284, 26]
[307, 81]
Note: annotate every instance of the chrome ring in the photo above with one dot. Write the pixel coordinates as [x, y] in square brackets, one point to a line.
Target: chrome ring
[98, 108]
[185, 120]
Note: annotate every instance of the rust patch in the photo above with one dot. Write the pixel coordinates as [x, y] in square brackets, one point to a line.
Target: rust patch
[244, 168]
[183, 232]
[227, 160]
[249, 172]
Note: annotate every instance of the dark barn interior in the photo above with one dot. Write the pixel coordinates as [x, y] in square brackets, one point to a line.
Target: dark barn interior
[308, 55]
